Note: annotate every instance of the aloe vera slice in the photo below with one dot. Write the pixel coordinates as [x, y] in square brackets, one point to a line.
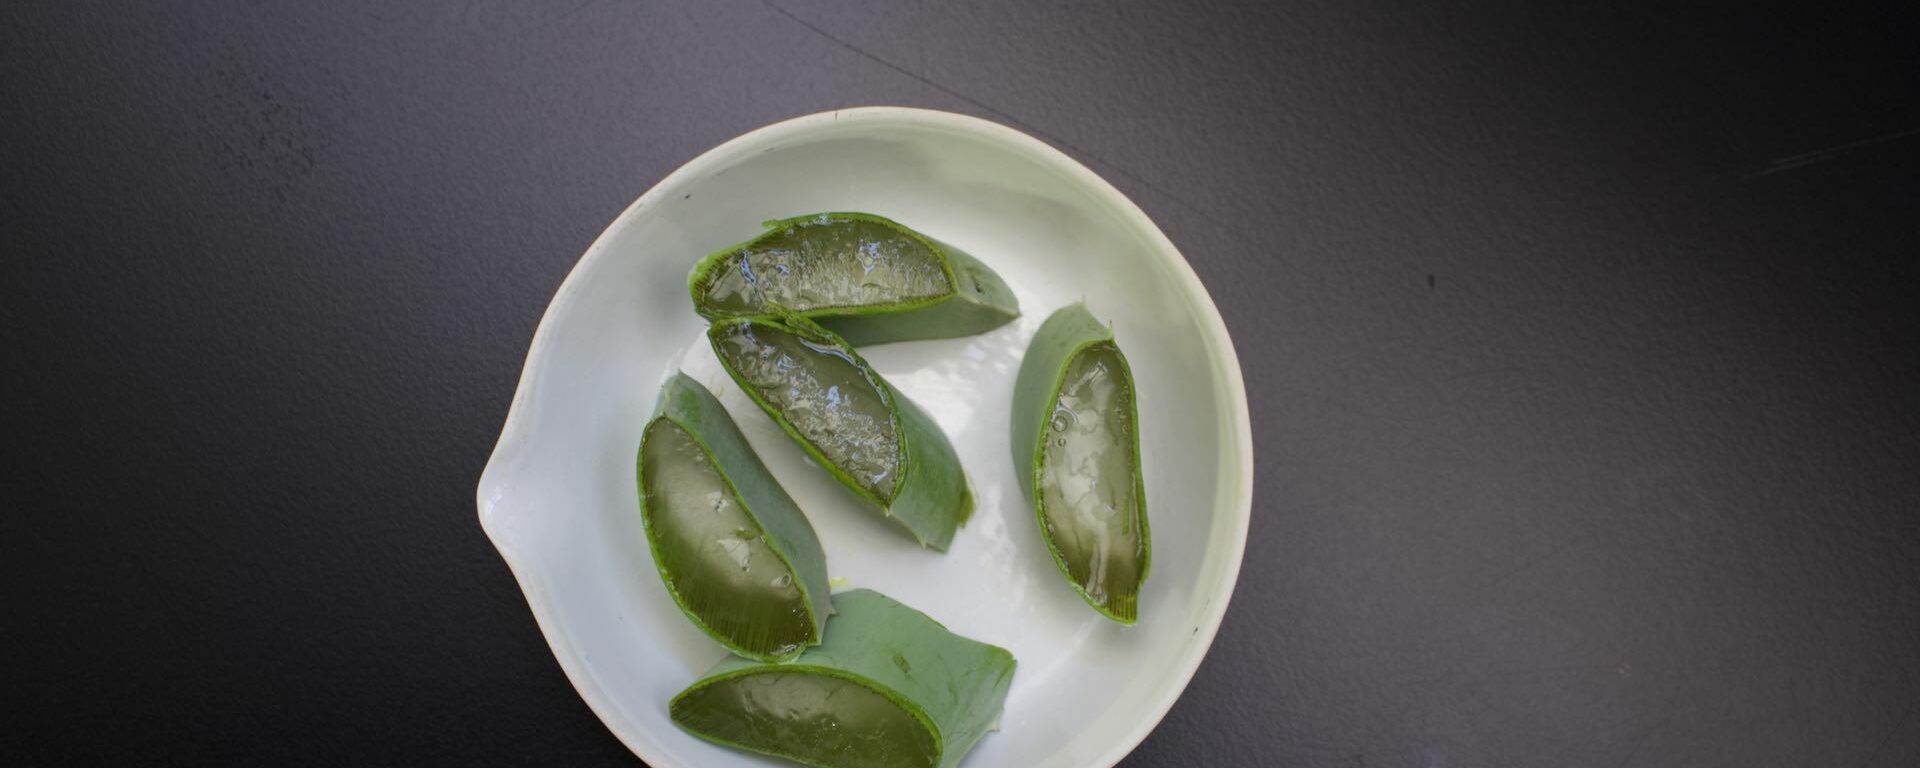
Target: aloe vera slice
[733, 549]
[1076, 443]
[865, 277]
[890, 688]
[871, 438]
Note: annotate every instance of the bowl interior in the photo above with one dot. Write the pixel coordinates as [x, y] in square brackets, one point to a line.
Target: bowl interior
[559, 498]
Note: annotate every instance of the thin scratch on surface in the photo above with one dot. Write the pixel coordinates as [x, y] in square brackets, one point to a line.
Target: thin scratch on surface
[1888, 738]
[996, 112]
[890, 65]
[1808, 158]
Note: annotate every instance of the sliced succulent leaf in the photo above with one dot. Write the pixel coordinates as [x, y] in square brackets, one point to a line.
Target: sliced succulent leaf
[734, 551]
[890, 688]
[1076, 446]
[868, 435]
[865, 277]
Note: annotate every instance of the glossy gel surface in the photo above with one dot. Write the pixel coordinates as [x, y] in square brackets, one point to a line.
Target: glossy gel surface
[889, 686]
[826, 262]
[721, 569]
[808, 716]
[825, 396]
[1088, 492]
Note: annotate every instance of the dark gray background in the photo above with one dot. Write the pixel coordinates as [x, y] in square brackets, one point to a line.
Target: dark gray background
[1578, 342]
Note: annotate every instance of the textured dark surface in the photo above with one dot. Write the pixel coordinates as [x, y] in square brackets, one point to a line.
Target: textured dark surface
[1579, 345]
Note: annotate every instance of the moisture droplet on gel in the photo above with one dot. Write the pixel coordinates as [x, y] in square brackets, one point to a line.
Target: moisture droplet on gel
[738, 549]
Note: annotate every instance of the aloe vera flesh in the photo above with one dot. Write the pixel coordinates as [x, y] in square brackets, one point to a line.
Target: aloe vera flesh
[808, 716]
[1076, 438]
[890, 687]
[865, 277]
[733, 550]
[805, 264]
[871, 438]
[826, 394]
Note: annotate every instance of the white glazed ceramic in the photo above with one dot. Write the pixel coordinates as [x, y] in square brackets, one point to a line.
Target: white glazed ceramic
[558, 496]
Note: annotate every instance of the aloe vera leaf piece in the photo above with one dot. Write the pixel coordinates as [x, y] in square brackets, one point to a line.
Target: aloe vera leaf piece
[732, 548]
[890, 688]
[869, 436]
[867, 278]
[1076, 446]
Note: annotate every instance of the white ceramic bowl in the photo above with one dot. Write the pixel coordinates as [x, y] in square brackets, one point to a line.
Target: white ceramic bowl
[558, 496]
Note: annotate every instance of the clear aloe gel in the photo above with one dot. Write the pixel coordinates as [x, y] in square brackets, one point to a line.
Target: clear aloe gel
[1076, 444]
[871, 438]
[868, 279]
[732, 548]
[890, 688]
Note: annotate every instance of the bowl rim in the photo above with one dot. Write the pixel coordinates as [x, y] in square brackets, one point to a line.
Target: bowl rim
[512, 433]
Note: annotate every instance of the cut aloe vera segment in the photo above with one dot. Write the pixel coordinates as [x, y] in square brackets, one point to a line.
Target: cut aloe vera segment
[733, 549]
[890, 688]
[1076, 444]
[871, 438]
[866, 278]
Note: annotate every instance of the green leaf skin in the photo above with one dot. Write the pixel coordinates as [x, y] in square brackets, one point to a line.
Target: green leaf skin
[890, 688]
[1105, 556]
[734, 551]
[868, 435]
[867, 278]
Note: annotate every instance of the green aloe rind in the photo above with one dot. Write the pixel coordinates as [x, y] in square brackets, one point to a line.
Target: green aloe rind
[871, 438]
[1088, 495]
[889, 688]
[867, 278]
[732, 548]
